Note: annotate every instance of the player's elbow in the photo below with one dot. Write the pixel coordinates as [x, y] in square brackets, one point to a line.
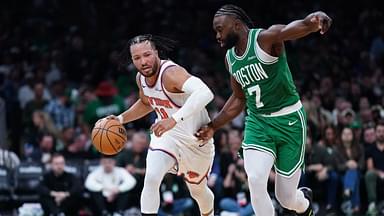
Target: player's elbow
[206, 94]
[210, 95]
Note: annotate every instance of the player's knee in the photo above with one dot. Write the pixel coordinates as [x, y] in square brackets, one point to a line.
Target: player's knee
[257, 181]
[152, 180]
[201, 193]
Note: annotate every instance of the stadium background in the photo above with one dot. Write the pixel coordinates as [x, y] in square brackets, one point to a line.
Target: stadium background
[69, 49]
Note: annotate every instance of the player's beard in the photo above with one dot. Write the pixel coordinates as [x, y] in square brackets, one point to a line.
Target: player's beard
[155, 67]
[231, 40]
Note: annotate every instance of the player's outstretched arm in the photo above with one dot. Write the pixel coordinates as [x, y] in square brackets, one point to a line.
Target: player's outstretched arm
[314, 22]
[138, 110]
[232, 108]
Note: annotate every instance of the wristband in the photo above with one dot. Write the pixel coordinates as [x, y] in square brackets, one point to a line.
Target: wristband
[120, 118]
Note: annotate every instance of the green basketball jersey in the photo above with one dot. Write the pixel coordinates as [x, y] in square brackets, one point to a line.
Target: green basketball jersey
[266, 80]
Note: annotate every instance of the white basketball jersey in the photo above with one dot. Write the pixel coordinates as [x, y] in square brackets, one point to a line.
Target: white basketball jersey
[166, 104]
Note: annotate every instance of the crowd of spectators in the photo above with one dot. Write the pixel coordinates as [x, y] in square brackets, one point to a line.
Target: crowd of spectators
[59, 74]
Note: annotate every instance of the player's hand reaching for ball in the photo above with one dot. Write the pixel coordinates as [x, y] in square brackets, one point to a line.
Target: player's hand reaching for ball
[205, 133]
[117, 118]
[162, 126]
[108, 117]
[321, 20]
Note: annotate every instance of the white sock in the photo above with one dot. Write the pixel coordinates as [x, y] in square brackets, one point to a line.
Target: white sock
[158, 164]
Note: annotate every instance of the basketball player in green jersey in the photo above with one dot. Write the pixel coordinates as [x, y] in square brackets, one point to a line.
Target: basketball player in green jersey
[275, 127]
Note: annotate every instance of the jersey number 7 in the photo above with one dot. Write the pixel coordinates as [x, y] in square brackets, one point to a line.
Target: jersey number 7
[256, 89]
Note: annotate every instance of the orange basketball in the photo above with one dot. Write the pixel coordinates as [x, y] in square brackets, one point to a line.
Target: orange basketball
[109, 136]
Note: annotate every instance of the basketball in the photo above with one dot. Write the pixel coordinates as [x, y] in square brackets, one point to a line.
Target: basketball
[109, 136]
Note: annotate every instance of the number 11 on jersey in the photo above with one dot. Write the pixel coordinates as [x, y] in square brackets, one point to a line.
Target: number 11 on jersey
[256, 89]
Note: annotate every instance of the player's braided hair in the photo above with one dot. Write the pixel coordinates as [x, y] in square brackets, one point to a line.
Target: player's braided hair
[163, 45]
[235, 11]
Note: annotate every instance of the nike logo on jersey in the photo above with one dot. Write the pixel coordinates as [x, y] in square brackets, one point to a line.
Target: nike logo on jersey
[251, 57]
[202, 144]
[232, 63]
[159, 90]
[292, 123]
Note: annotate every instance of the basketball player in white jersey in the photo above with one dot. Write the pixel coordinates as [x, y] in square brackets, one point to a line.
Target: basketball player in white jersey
[179, 100]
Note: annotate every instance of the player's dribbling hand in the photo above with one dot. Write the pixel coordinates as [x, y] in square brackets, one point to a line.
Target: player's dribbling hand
[108, 117]
[322, 20]
[162, 126]
[205, 133]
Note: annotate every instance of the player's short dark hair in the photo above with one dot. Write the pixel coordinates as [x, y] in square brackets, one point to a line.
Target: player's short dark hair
[163, 45]
[235, 11]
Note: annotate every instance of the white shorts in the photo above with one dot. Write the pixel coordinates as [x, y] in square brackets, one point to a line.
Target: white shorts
[193, 158]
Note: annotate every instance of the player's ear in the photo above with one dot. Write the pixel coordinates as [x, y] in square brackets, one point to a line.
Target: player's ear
[157, 52]
[237, 24]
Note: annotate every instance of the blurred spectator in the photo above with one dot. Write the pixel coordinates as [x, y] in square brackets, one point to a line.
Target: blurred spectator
[41, 43]
[80, 149]
[28, 91]
[374, 178]
[369, 138]
[133, 159]
[236, 192]
[341, 104]
[86, 96]
[320, 168]
[38, 102]
[329, 138]
[363, 103]
[350, 159]
[43, 154]
[347, 117]
[61, 110]
[175, 198]
[42, 124]
[318, 117]
[366, 117]
[215, 179]
[59, 190]
[8, 159]
[377, 113]
[67, 137]
[107, 103]
[230, 153]
[109, 186]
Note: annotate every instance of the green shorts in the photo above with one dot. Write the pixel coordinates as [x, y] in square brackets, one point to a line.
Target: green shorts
[283, 137]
